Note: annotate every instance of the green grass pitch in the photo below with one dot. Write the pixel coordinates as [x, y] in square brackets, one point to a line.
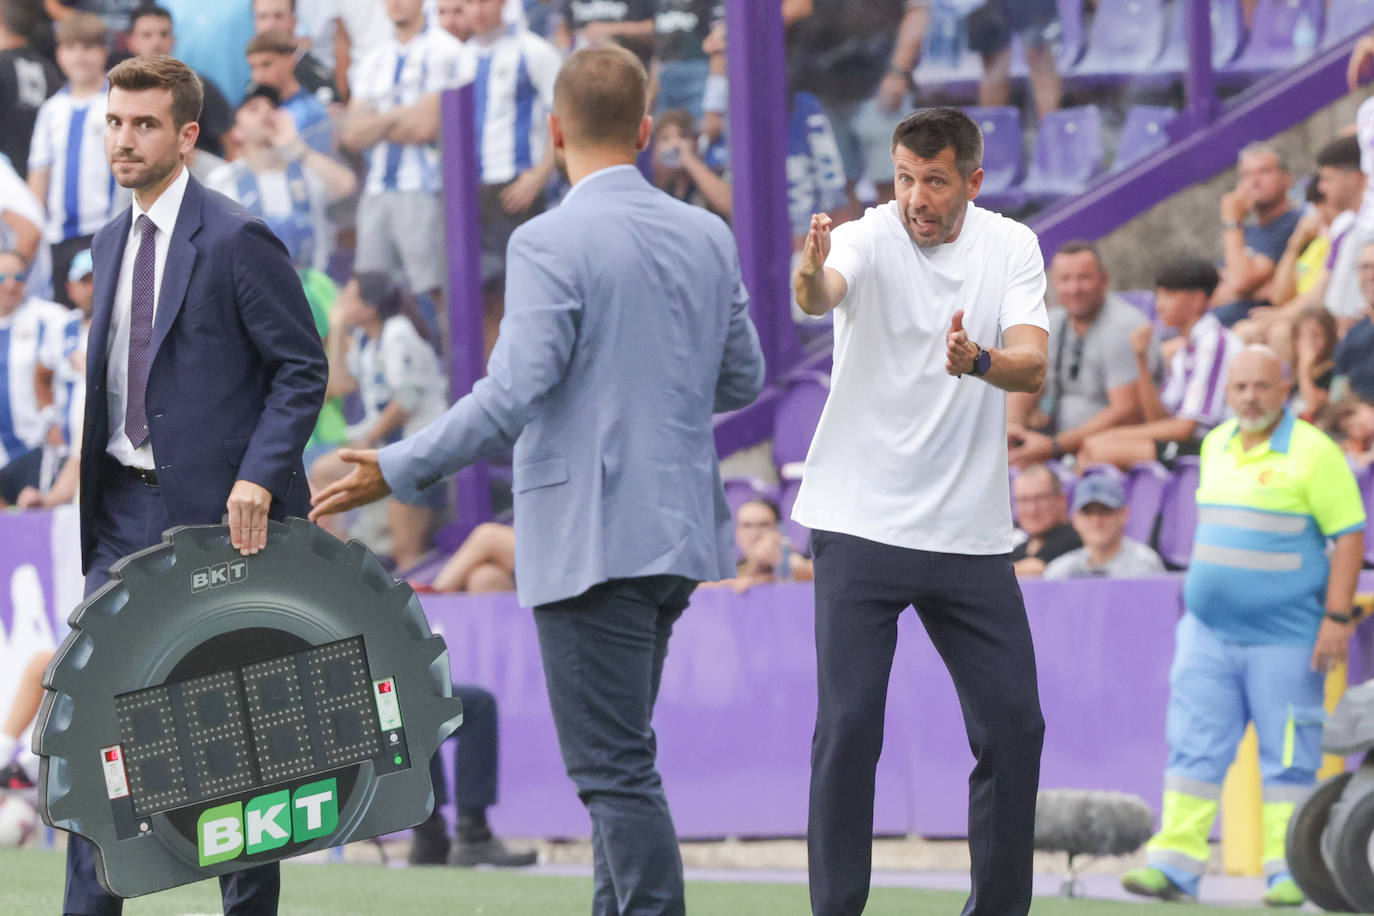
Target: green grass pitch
[31, 885]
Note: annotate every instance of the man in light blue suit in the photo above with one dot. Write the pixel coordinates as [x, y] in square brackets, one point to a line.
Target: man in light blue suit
[627, 325]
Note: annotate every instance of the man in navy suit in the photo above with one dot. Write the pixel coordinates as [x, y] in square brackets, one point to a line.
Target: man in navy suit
[626, 326]
[204, 377]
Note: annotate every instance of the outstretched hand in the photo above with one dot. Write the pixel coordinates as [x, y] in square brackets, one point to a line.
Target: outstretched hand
[817, 247]
[364, 484]
[960, 352]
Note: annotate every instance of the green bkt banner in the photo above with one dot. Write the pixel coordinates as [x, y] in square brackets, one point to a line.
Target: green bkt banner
[267, 822]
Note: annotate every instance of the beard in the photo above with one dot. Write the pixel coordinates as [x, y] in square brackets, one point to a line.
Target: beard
[141, 173]
[939, 228]
[1259, 423]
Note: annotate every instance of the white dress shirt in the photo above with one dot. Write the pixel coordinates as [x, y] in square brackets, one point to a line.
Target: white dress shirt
[163, 213]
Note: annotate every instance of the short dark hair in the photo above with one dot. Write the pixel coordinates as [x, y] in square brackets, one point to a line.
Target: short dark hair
[768, 504]
[159, 71]
[19, 18]
[1079, 246]
[290, 3]
[680, 118]
[1341, 154]
[601, 95]
[149, 9]
[1188, 274]
[928, 131]
[271, 42]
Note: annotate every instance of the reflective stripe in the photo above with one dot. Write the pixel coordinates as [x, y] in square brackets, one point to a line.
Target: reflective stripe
[1173, 782]
[1285, 794]
[1237, 517]
[1182, 862]
[1290, 730]
[1248, 559]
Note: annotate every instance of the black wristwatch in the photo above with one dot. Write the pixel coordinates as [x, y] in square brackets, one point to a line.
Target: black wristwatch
[1341, 618]
[981, 363]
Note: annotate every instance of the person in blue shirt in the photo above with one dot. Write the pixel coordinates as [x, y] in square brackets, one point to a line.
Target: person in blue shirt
[272, 59]
[1252, 250]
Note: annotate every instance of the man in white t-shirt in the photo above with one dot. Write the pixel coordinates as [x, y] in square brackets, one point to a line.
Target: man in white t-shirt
[905, 490]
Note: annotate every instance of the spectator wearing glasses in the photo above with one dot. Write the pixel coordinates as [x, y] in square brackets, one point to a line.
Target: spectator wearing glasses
[1090, 383]
[1193, 399]
[1042, 519]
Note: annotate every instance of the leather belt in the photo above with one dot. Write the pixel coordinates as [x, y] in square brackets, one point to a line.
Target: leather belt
[140, 474]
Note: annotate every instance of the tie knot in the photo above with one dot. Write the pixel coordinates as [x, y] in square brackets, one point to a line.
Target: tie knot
[147, 226]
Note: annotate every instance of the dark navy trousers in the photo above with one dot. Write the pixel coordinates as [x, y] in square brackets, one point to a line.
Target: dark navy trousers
[131, 516]
[603, 655]
[474, 754]
[971, 607]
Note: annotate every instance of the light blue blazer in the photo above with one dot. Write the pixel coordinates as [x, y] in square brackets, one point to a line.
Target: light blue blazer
[626, 326]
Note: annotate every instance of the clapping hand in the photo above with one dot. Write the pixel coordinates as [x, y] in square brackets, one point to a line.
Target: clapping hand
[960, 352]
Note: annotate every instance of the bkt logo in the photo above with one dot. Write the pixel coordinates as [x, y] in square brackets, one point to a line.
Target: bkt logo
[267, 822]
[221, 574]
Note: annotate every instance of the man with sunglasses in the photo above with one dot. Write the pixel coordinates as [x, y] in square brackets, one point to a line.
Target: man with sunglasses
[1090, 382]
[25, 321]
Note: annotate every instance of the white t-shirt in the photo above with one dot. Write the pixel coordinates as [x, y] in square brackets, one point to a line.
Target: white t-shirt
[398, 366]
[905, 454]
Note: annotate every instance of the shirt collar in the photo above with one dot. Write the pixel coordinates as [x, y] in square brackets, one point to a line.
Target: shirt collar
[608, 170]
[1279, 440]
[1204, 326]
[164, 210]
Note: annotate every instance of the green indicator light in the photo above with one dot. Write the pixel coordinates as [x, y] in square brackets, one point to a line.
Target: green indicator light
[397, 759]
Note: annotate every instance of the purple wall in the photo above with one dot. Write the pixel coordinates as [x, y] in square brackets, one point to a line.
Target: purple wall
[737, 707]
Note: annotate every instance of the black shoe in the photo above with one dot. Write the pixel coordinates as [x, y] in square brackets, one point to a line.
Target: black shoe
[491, 851]
[14, 777]
[430, 843]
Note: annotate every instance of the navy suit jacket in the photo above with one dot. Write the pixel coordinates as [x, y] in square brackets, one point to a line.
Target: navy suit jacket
[238, 372]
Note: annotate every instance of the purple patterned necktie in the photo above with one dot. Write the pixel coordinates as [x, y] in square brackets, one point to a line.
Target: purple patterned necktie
[141, 334]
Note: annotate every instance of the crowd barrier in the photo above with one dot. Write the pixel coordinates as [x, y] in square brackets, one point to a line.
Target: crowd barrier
[737, 704]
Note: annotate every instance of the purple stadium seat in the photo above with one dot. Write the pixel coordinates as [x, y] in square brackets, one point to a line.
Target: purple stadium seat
[1125, 39]
[1178, 515]
[798, 412]
[1272, 36]
[1148, 481]
[799, 535]
[1143, 299]
[1227, 30]
[1345, 18]
[1003, 159]
[1068, 153]
[739, 490]
[1142, 134]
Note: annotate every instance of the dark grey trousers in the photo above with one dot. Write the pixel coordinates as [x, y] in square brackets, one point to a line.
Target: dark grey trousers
[603, 657]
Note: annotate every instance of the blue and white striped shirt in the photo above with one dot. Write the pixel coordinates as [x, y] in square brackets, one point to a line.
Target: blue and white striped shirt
[393, 76]
[69, 141]
[513, 90]
[22, 334]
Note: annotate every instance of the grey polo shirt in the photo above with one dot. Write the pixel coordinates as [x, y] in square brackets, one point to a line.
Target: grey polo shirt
[1083, 369]
[1132, 561]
